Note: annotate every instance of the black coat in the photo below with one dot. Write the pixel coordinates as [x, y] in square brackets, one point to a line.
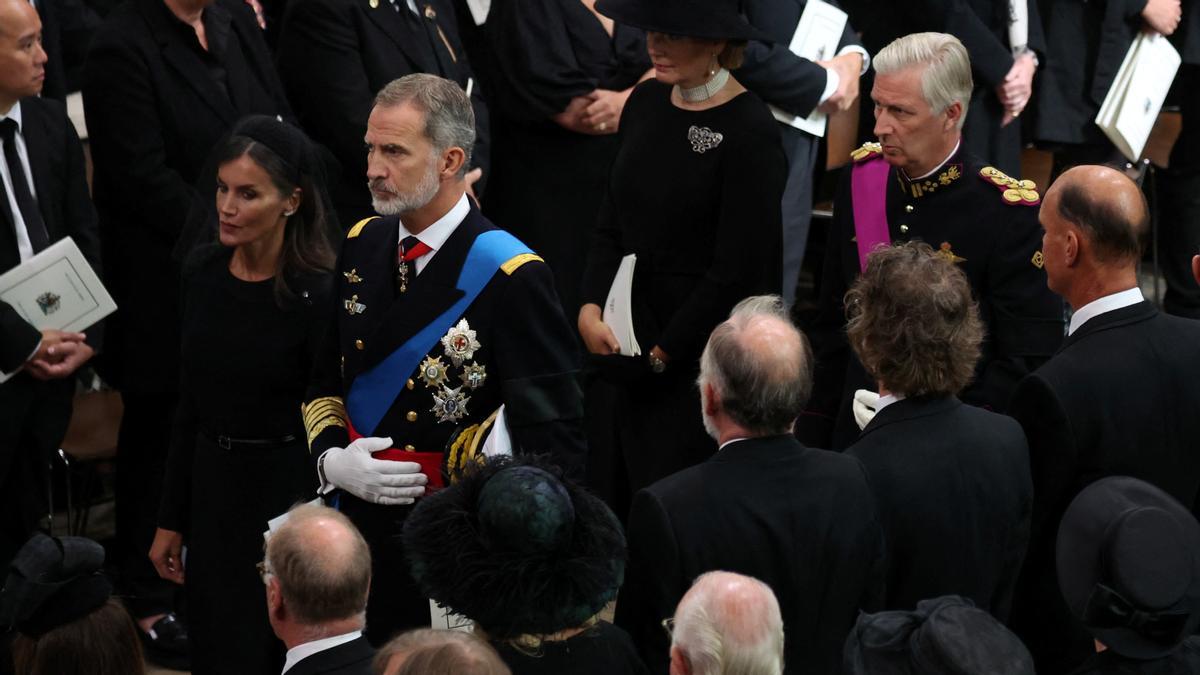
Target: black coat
[982, 26]
[335, 55]
[801, 520]
[350, 658]
[1185, 660]
[997, 245]
[154, 115]
[1086, 43]
[1120, 398]
[953, 491]
[34, 414]
[525, 345]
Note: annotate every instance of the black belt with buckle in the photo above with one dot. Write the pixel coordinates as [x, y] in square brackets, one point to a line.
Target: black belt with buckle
[229, 443]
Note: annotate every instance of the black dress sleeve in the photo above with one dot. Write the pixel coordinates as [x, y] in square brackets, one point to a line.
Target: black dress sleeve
[536, 62]
[175, 504]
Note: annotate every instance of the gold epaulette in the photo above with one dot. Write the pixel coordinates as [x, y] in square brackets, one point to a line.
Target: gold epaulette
[866, 151]
[1012, 191]
[514, 263]
[358, 227]
[321, 413]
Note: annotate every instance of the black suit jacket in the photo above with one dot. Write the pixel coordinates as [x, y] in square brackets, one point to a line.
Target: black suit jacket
[1086, 43]
[60, 181]
[1121, 398]
[351, 658]
[952, 487]
[154, 116]
[800, 520]
[335, 55]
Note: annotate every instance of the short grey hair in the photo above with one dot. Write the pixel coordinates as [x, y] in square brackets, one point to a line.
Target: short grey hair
[763, 382]
[947, 76]
[449, 118]
[324, 575]
[729, 623]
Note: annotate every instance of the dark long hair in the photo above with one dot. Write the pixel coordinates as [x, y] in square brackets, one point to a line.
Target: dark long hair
[103, 642]
[306, 245]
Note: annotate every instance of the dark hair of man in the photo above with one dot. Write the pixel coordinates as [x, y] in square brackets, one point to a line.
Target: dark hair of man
[913, 323]
[440, 652]
[319, 585]
[1115, 238]
[103, 642]
[306, 245]
[762, 390]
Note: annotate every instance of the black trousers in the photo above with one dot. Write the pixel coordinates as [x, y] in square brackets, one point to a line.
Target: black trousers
[141, 464]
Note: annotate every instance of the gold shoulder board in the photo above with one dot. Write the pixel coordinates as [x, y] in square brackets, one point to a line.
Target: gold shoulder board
[358, 227]
[514, 263]
[866, 151]
[1012, 191]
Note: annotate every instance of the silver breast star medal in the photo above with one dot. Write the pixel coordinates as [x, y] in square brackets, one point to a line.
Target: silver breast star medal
[473, 376]
[460, 343]
[704, 139]
[450, 405]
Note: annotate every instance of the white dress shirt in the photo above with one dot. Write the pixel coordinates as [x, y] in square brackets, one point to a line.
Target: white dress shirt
[886, 400]
[300, 652]
[1108, 303]
[24, 247]
[435, 235]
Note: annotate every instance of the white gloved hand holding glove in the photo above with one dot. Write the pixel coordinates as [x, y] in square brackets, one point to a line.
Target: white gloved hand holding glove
[378, 481]
[864, 407]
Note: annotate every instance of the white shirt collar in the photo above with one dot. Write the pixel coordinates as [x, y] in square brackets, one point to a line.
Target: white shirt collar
[886, 400]
[14, 113]
[1100, 306]
[939, 166]
[435, 235]
[300, 652]
[732, 440]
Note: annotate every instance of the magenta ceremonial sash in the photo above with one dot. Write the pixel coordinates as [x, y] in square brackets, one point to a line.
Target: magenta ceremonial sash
[868, 195]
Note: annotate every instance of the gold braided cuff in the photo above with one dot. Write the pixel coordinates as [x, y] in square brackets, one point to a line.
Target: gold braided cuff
[322, 413]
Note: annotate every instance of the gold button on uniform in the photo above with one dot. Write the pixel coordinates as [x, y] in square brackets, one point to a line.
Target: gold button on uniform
[409, 384]
[411, 416]
[908, 208]
[409, 448]
[358, 344]
[904, 229]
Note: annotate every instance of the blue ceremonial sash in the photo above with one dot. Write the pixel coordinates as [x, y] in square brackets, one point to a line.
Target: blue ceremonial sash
[373, 392]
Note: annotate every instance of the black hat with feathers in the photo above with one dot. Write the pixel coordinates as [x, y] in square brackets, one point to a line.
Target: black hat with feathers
[516, 548]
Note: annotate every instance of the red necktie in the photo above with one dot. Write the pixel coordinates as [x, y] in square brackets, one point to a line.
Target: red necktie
[411, 248]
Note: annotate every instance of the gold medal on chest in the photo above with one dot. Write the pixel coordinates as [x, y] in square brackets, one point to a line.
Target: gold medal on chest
[473, 376]
[353, 306]
[433, 371]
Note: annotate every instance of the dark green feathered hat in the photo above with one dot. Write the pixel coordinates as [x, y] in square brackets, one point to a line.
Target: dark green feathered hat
[516, 548]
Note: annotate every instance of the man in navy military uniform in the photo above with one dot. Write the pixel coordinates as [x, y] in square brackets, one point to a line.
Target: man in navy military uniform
[916, 183]
[442, 318]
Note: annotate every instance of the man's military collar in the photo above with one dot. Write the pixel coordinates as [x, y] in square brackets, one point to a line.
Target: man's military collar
[938, 179]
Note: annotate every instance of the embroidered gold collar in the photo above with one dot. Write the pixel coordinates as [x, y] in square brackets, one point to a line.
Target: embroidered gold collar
[930, 184]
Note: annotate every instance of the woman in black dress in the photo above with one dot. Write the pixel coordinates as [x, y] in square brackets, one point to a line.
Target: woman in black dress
[560, 79]
[254, 310]
[694, 193]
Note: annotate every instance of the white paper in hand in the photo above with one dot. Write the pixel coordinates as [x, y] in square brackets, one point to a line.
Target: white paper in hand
[618, 308]
[816, 39]
[1133, 102]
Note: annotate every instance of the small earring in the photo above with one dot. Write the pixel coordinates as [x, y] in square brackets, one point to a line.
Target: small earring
[288, 214]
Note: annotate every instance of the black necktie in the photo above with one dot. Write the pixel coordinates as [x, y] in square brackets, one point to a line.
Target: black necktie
[34, 227]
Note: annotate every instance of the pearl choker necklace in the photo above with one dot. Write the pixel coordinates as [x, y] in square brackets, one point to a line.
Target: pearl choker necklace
[706, 90]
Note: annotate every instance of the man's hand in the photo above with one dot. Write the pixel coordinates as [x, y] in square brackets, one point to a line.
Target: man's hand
[571, 118]
[1162, 16]
[378, 481]
[166, 553]
[1196, 267]
[848, 67]
[597, 335]
[52, 338]
[603, 115]
[62, 360]
[1017, 87]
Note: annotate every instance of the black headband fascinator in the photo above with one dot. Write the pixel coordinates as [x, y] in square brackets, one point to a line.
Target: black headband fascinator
[285, 140]
[51, 582]
[516, 548]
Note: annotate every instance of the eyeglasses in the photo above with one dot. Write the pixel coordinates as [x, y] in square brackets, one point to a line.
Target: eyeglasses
[668, 625]
[263, 570]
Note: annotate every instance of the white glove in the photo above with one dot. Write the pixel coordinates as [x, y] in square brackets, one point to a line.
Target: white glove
[864, 407]
[378, 481]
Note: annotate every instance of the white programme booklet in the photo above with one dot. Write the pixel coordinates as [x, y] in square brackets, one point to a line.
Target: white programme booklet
[58, 289]
[618, 308]
[1136, 96]
[816, 39]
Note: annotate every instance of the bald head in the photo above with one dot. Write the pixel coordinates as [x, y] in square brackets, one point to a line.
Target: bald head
[1107, 207]
[759, 365]
[729, 623]
[322, 564]
[22, 59]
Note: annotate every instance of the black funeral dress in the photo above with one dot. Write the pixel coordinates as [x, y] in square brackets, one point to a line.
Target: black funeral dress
[695, 195]
[547, 182]
[238, 454]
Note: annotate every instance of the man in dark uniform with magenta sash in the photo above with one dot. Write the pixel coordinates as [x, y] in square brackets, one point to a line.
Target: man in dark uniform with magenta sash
[917, 183]
[442, 320]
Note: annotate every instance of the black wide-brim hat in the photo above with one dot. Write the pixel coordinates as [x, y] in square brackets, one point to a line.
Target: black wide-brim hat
[516, 548]
[1128, 562]
[709, 19]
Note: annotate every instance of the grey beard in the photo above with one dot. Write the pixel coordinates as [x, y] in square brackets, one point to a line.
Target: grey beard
[421, 194]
